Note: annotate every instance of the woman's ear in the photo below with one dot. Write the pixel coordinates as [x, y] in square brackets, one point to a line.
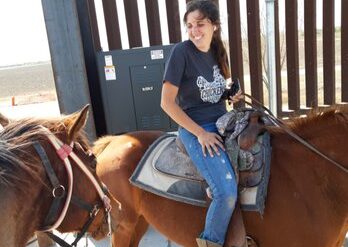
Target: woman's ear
[215, 28]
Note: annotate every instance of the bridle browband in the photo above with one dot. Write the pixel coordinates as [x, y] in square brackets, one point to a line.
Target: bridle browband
[59, 192]
[276, 121]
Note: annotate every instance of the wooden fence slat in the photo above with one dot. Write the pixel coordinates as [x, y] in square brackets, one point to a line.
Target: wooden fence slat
[94, 25]
[311, 53]
[216, 1]
[235, 40]
[112, 24]
[133, 25]
[254, 45]
[277, 59]
[344, 51]
[292, 54]
[329, 51]
[235, 43]
[153, 22]
[173, 19]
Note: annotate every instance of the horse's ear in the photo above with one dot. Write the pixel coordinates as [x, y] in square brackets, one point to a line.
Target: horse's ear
[76, 122]
[4, 120]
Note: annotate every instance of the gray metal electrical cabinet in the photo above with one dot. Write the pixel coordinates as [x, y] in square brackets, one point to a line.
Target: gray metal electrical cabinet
[131, 83]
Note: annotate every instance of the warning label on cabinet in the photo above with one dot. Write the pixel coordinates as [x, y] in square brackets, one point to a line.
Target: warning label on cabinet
[110, 73]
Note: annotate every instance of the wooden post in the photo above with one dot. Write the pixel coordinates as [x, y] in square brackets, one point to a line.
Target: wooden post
[63, 32]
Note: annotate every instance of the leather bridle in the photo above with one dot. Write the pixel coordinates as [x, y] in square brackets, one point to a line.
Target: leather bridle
[63, 196]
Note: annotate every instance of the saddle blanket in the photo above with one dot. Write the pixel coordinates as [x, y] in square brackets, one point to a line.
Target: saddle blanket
[166, 170]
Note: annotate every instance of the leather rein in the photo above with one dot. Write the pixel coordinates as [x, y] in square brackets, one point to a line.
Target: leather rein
[63, 196]
[276, 121]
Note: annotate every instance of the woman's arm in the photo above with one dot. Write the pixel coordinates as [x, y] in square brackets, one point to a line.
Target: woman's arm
[209, 141]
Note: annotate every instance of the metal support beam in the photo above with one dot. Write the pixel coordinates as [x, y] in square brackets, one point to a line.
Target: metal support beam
[63, 32]
[271, 56]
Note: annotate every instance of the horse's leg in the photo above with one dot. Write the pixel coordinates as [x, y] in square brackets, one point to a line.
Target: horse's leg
[129, 226]
[128, 234]
[236, 235]
[139, 231]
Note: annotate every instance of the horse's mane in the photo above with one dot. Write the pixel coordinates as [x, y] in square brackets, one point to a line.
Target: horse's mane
[320, 117]
[101, 144]
[16, 138]
[337, 114]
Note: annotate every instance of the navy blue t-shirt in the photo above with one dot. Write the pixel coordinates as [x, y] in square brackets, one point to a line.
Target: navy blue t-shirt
[200, 83]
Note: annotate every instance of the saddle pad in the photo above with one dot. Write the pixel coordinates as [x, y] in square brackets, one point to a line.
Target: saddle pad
[160, 171]
[171, 160]
[188, 189]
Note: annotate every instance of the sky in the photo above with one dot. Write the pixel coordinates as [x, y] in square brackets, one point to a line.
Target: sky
[23, 33]
[23, 36]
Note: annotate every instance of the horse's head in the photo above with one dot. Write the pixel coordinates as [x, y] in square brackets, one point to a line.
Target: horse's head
[47, 164]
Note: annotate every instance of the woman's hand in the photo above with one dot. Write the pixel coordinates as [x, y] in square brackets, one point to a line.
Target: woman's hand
[237, 97]
[210, 141]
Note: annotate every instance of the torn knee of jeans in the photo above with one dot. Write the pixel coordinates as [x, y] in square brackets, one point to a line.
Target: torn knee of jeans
[209, 193]
[228, 175]
[231, 201]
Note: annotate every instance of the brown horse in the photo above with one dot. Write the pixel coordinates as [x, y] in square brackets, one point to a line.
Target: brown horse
[307, 203]
[25, 190]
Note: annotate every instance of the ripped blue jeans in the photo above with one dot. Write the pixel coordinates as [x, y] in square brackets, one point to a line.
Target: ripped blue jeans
[220, 177]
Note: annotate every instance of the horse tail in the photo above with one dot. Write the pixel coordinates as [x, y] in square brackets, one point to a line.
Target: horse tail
[101, 144]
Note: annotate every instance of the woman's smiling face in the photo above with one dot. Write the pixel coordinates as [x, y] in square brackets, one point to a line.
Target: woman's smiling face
[200, 30]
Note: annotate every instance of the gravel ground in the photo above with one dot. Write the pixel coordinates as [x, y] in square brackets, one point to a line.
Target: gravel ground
[28, 83]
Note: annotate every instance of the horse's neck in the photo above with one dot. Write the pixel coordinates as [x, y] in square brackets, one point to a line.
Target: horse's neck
[311, 175]
[17, 218]
[8, 211]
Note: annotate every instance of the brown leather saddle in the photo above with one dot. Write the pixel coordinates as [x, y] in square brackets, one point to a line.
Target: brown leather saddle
[244, 149]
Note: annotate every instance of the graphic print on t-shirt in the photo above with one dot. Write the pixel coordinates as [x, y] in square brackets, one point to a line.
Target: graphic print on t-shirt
[211, 91]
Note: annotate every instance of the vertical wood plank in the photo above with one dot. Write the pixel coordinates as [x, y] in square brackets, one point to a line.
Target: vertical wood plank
[254, 45]
[94, 25]
[311, 53]
[292, 54]
[173, 19]
[235, 40]
[329, 51]
[112, 24]
[344, 51]
[88, 28]
[153, 22]
[216, 1]
[278, 65]
[67, 47]
[133, 25]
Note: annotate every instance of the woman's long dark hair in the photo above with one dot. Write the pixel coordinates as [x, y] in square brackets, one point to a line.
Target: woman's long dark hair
[210, 10]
